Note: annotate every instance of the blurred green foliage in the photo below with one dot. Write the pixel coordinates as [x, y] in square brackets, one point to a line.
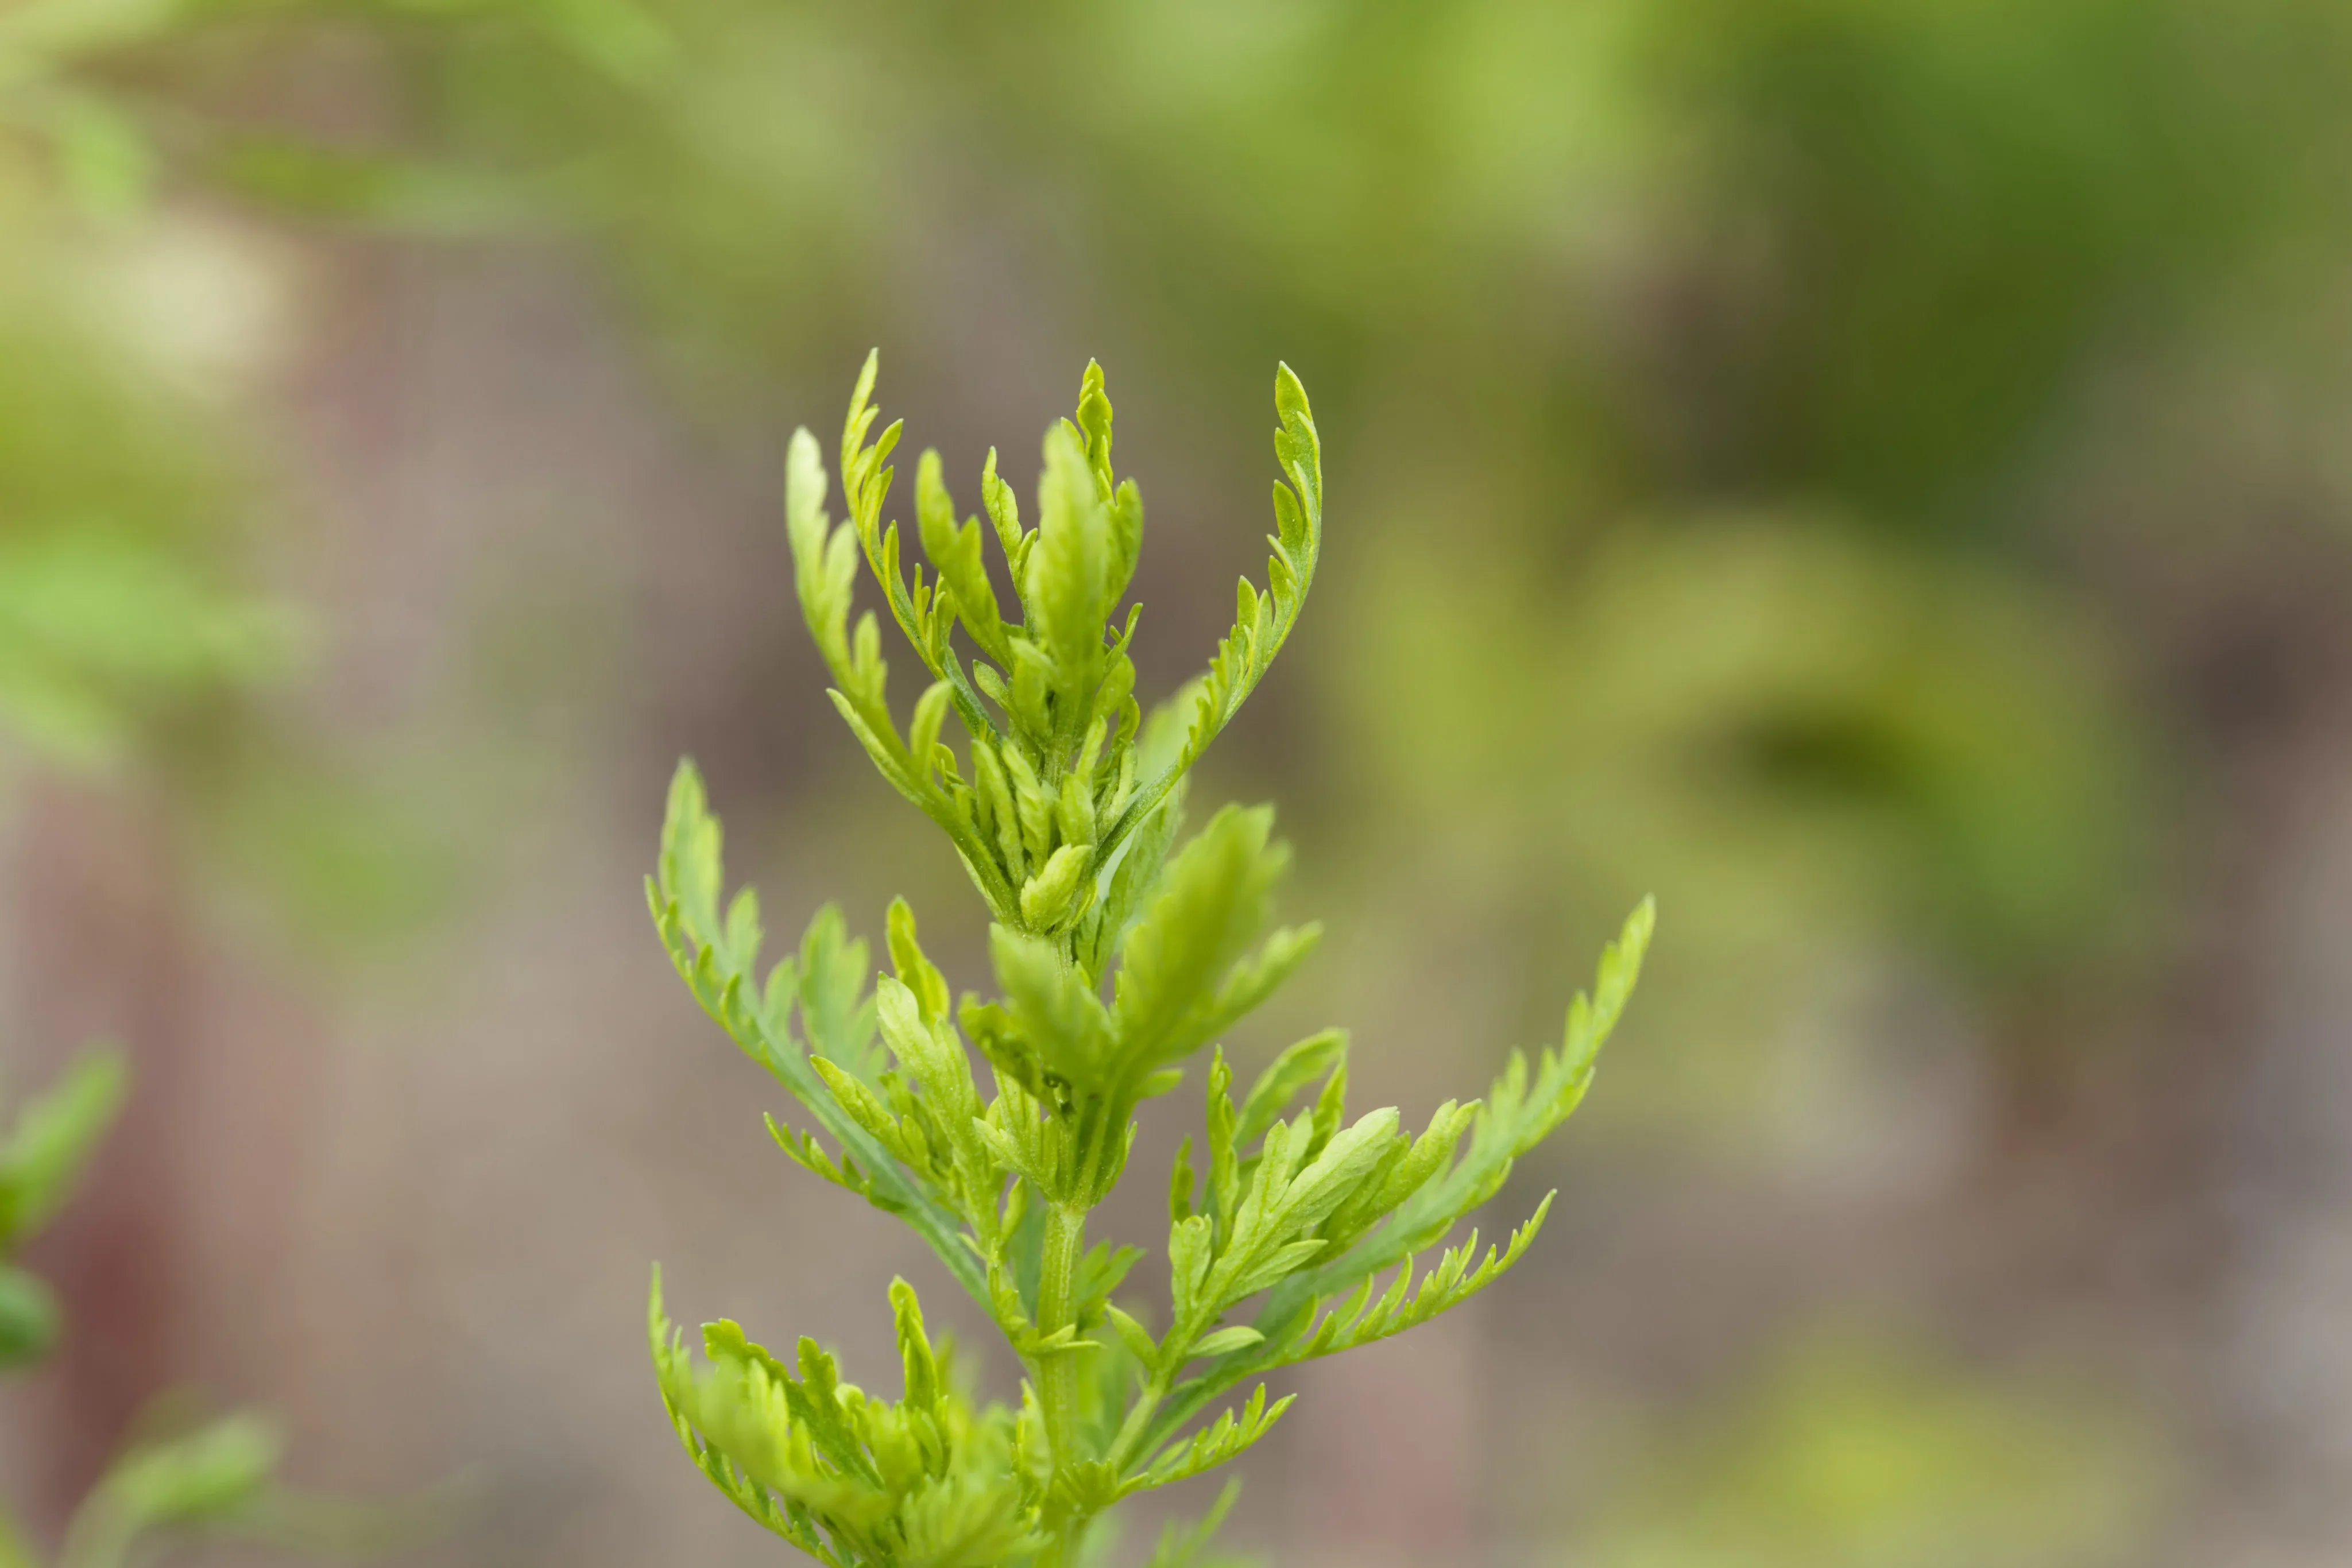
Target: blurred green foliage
[115, 602]
[1854, 1453]
[212, 1475]
[137, 524]
[1594, 276]
[39, 1163]
[117, 599]
[1840, 752]
[1832, 726]
[1954, 206]
[1616, 263]
[217, 1477]
[1819, 244]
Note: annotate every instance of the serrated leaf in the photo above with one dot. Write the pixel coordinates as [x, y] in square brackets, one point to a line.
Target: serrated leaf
[1516, 1115]
[1068, 583]
[837, 1009]
[956, 552]
[1260, 628]
[1269, 1098]
[685, 901]
[1213, 900]
[915, 971]
[1227, 1438]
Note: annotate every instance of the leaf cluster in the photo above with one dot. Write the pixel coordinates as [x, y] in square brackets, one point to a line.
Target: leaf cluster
[1055, 782]
[1121, 950]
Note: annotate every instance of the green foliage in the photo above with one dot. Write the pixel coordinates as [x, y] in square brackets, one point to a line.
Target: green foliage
[845, 1478]
[52, 1137]
[117, 602]
[217, 1476]
[43, 1155]
[1830, 747]
[1852, 1454]
[97, 630]
[212, 1476]
[1119, 957]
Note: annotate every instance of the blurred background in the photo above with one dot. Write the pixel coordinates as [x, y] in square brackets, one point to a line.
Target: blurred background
[1873, 472]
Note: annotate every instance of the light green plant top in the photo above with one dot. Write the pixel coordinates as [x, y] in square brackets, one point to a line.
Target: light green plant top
[1067, 814]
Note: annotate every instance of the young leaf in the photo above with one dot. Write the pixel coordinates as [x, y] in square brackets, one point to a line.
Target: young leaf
[1069, 585]
[1226, 1438]
[956, 552]
[1269, 1098]
[1213, 901]
[1263, 622]
[836, 1007]
[1514, 1117]
[1240, 1336]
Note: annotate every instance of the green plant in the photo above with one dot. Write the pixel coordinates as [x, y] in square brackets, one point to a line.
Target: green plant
[1066, 813]
[209, 1475]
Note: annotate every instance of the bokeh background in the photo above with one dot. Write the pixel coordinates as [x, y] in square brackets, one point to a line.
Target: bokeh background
[1873, 472]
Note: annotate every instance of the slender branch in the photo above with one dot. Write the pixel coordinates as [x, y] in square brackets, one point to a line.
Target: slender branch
[1058, 1373]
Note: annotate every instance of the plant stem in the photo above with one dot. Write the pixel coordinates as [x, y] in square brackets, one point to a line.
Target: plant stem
[1058, 1284]
[1058, 1373]
[1132, 1432]
[1139, 1420]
